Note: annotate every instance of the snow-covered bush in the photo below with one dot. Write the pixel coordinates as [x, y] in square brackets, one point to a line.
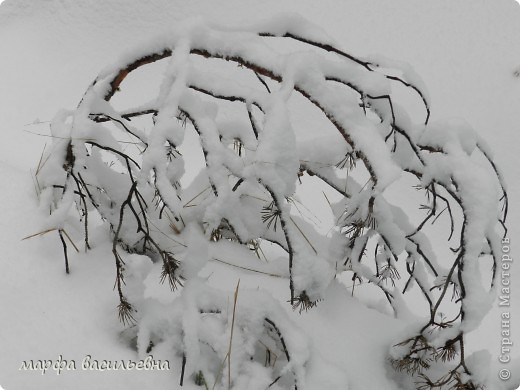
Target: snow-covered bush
[245, 92]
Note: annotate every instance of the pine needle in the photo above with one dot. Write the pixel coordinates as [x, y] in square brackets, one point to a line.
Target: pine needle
[43, 232]
[195, 197]
[304, 236]
[70, 239]
[41, 162]
[231, 335]
[248, 269]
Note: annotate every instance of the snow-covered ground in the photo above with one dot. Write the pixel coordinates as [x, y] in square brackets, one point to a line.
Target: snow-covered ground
[466, 53]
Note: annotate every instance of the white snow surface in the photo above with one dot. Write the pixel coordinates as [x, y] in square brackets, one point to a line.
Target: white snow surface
[465, 53]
